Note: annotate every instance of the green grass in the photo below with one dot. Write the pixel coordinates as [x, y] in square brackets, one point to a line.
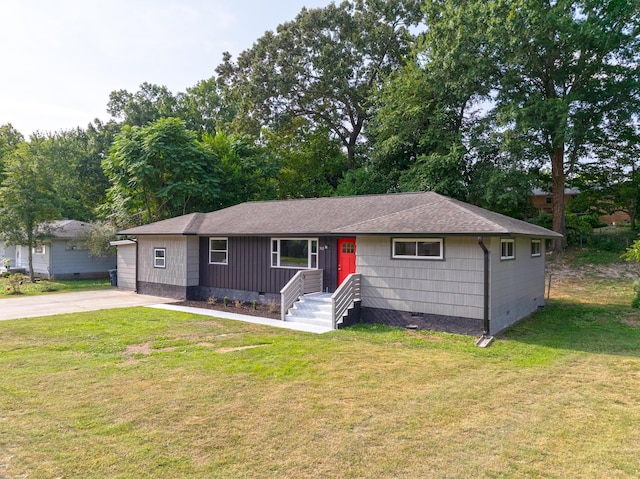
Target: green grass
[148, 393]
[46, 286]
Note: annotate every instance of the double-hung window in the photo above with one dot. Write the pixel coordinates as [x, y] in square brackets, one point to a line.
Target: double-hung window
[417, 248]
[507, 249]
[536, 247]
[159, 257]
[299, 253]
[218, 251]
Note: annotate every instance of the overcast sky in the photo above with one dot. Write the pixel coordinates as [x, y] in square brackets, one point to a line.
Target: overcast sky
[60, 59]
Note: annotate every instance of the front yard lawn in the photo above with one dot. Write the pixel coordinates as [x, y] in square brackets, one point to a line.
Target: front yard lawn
[46, 286]
[149, 393]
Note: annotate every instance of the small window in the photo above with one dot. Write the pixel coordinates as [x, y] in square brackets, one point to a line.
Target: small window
[535, 247]
[348, 248]
[159, 257]
[294, 253]
[218, 251]
[422, 248]
[38, 249]
[508, 249]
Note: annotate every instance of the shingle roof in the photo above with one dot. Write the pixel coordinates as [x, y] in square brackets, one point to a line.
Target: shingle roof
[405, 213]
[68, 229]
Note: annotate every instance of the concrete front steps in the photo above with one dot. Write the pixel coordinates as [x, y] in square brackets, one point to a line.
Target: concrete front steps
[312, 309]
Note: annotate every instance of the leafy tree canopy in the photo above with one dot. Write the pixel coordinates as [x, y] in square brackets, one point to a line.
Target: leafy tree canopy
[28, 199]
[159, 171]
[322, 67]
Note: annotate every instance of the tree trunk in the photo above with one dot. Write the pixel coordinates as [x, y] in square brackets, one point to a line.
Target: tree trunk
[558, 203]
[31, 275]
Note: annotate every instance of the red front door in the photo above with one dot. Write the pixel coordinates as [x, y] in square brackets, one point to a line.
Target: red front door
[346, 258]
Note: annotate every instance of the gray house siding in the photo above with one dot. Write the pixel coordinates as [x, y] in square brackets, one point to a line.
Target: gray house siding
[69, 263]
[41, 262]
[8, 252]
[127, 267]
[59, 261]
[172, 280]
[451, 287]
[249, 275]
[517, 285]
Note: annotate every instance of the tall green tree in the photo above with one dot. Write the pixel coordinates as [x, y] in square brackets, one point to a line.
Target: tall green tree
[150, 103]
[566, 68]
[10, 138]
[311, 162]
[76, 156]
[322, 66]
[203, 108]
[249, 170]
[556, 71]
[417, 133]
[159, 171]
[28, 199]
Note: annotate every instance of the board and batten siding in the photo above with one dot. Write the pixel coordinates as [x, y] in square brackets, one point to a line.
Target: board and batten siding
[179, 266]
[249, 266]
[452, 287]
[517, 285]
[126, 260]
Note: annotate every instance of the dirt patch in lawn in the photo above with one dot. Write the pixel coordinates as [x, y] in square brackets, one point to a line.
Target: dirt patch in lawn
[561, 268]
[145, 348]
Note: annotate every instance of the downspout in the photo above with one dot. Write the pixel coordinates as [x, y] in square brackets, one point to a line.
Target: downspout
[137, 263]
[485, 335]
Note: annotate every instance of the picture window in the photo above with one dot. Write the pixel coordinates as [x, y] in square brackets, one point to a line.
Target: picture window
[420, 248]
[298, 253]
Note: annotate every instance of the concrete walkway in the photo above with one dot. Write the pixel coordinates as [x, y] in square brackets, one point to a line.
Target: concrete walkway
[276, 323]
[63, 303]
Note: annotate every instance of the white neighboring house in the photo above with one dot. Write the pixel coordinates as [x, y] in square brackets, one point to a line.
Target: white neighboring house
[61, 257]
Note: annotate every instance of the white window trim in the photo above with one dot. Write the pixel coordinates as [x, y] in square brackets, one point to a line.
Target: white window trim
[276, 254]
[35, 249]
[539, 253]
[163, 258]
[508, 241]
[226, 251]
[417, 240]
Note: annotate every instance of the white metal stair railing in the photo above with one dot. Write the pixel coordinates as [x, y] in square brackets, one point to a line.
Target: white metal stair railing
[345, 297]
[304, 282]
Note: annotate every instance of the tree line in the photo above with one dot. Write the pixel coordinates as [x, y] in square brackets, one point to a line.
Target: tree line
[480, 100]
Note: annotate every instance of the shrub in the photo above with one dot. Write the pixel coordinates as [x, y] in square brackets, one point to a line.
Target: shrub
[636, 301]
[15, 280]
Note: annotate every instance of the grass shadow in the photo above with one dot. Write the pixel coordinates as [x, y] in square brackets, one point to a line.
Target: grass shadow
[591, 328]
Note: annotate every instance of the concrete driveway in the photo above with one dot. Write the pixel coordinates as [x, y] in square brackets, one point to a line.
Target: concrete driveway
[62, 303]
